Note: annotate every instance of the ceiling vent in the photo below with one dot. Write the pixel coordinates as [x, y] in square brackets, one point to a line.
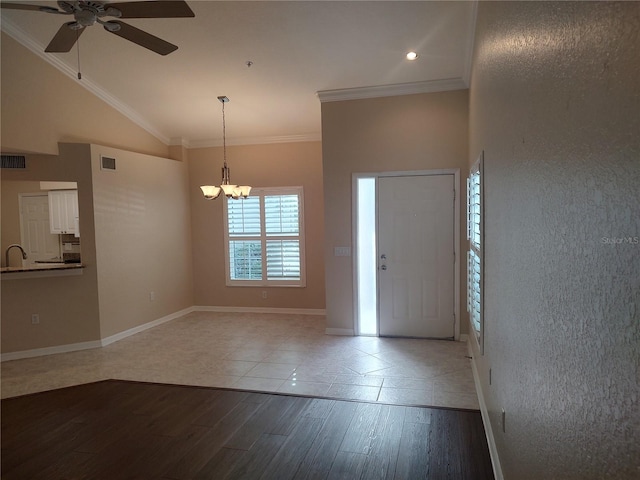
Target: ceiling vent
[107, 163]
[14, 161]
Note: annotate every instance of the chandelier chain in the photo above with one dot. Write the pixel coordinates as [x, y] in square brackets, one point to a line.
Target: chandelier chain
[224, 137]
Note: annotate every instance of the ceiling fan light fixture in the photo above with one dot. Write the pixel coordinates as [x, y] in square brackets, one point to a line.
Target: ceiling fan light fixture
[87, 13]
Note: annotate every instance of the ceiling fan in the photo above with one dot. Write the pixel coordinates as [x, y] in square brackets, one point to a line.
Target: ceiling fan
[87, 13]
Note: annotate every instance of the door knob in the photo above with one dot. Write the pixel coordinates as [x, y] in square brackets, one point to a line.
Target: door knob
[383, 267]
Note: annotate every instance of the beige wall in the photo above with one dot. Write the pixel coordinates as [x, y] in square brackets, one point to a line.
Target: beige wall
[292, 164]
[41, 107]
[412, 132]
[136, 239]
[554, 105]
[143, 238]
[68, 306]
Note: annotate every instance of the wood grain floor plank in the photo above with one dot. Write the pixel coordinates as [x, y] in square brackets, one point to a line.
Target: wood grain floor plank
[347, 466]
[221, 464]
[253, 463]
[318, 408]
[381, 462]
[362, 429]
[319, 460]
[284, 425]
[412, 454]
[263, 420]
[286, 462]
[191, 463]
[120, 430]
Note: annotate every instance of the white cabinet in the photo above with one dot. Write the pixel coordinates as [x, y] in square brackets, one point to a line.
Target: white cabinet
[63, 212]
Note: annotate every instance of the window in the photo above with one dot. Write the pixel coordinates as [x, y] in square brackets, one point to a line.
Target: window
[264, 238]
[475, 253]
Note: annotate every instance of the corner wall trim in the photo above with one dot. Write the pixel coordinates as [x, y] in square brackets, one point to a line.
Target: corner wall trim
[286, 311]
[340, 331]
[493, 450]
[145, 326]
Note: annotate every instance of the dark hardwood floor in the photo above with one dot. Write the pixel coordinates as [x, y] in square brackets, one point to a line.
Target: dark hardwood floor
[124, 430]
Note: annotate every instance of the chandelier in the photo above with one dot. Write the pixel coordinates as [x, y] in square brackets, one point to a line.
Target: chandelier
[212, 192]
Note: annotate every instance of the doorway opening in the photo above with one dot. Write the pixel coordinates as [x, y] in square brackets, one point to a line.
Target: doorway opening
[395, 296]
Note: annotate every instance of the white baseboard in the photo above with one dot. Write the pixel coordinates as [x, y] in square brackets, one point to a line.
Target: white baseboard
[340, 331]
[493, 450]
[74, 347]
[286, 311]
[39, 352]
[146, 326]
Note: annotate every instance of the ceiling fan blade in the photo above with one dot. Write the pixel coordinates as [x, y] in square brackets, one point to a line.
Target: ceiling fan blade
[153, 9]
[142, 38]
[65, 39]
[26, 6]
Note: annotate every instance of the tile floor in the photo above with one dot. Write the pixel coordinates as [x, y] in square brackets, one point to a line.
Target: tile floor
[264, 352]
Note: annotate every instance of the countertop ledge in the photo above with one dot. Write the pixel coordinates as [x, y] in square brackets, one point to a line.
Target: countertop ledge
[42, 270]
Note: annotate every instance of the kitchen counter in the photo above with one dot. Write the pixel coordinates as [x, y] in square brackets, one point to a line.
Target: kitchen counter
[41, 270]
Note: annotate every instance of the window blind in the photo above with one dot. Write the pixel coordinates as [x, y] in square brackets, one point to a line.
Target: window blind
[264, 238]
[475, 253]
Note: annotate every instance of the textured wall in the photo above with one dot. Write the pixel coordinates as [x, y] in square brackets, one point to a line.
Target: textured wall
[555, 105]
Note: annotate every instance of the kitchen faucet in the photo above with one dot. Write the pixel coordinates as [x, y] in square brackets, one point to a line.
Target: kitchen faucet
[6, 255]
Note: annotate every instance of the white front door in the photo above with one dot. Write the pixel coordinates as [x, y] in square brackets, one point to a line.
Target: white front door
[37, 239]
[416, 256]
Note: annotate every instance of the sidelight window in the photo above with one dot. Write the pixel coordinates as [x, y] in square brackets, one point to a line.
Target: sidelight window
[475, 253]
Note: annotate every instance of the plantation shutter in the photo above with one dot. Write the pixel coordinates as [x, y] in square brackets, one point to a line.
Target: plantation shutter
[282, 222]
[475, 253]
[265, 238]
[245, 251]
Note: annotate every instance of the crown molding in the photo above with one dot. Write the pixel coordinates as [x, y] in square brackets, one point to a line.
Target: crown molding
[469, 54]
[309, 137]
[359, 93]
[21, 37]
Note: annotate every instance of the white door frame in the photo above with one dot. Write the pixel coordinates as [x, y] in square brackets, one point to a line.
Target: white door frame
[456, 238]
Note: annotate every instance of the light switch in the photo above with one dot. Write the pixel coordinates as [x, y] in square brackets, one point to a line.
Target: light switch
[341, 251]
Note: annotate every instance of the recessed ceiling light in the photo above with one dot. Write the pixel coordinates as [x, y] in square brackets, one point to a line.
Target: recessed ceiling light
[412, 56]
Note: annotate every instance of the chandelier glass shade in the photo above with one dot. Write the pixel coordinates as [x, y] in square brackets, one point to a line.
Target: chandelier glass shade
[211, 192]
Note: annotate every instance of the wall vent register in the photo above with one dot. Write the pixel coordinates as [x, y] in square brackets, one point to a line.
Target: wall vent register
[107, 163]
[14, 161]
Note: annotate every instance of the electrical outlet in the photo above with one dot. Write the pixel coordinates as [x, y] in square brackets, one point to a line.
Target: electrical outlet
[503, 421]
[35, 319]
[152, 296]
[264, 294]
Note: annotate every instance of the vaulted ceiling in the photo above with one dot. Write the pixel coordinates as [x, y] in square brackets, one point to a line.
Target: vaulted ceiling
[295, 49]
